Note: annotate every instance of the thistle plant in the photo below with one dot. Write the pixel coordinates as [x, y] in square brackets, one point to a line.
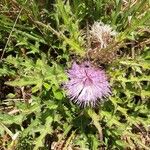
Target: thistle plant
[104, 103]
[87, 84]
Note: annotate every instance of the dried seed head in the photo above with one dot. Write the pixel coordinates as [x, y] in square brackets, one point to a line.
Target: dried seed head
[102, 41]
[101, 35]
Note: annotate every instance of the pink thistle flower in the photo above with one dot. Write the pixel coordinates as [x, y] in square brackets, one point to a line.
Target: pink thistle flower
[87, 84]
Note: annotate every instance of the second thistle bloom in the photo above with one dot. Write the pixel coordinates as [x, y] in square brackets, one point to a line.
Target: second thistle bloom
[87, 84]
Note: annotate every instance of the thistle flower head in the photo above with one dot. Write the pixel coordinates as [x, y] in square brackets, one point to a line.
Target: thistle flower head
[101, 34]
[87, 84]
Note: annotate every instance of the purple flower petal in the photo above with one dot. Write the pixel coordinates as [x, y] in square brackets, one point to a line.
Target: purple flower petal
[87, 84]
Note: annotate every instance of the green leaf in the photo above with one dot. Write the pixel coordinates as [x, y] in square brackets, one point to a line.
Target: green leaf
[58, 95]
[46, 129]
